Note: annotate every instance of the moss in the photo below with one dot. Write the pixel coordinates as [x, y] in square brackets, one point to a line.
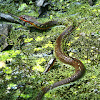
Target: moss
[83, 43]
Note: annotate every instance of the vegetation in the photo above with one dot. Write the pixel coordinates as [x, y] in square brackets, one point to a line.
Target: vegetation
[21, 69]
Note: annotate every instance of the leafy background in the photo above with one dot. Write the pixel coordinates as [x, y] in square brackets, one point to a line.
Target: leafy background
[21, 69]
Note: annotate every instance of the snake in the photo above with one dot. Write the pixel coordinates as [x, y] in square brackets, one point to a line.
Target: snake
[76, 63]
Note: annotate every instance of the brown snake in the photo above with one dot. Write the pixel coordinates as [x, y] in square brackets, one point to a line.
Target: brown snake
[77, 64]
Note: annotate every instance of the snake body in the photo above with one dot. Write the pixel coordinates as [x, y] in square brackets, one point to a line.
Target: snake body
[77, 64]
[36, 24]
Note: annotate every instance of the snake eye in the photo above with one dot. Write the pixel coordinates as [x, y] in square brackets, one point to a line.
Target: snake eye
[22, 17]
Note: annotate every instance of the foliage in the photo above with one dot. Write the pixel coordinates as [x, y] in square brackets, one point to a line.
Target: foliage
[21, 68]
